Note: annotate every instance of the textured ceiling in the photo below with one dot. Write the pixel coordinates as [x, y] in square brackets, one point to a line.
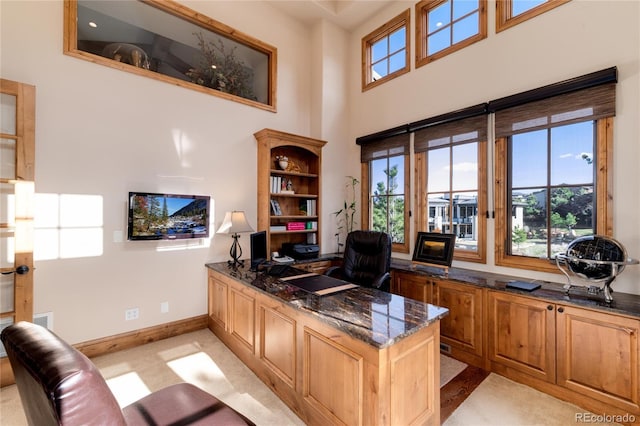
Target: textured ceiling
[347, 14]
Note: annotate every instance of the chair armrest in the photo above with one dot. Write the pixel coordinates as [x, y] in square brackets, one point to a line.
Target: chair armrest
[379, 283]
[332, 271]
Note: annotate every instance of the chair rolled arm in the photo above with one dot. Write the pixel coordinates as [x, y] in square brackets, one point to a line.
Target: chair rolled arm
[382, 282]
[332, 270]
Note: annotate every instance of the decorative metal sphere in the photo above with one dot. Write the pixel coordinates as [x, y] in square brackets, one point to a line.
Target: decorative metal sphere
[593, 257]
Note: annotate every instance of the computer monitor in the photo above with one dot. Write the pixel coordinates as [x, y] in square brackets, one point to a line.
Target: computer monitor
[258, 242]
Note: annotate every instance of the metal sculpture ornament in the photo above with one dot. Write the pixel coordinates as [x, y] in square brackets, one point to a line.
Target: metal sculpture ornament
[595, 259]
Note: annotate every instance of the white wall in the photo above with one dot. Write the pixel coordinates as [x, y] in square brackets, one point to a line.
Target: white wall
[576, 38]
[104, 132]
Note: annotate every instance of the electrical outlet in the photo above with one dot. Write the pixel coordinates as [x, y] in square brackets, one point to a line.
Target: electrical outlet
[131, 314]
[164, 307]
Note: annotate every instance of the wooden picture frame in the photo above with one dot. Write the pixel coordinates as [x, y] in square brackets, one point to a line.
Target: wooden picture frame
[434, 248]
[167, 41]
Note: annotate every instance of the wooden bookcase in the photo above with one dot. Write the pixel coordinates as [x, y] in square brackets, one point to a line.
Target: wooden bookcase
[304, 174]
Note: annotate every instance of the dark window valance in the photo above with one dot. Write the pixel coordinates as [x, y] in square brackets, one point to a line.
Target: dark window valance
[587, 104]
[387, 147]
[468, 129]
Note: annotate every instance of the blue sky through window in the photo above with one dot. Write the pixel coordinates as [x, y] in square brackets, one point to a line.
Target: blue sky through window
[522, 6]
[450, 23]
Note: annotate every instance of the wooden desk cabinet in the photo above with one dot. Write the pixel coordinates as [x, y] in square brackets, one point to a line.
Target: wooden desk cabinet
[324, 374]
[590, 353]
[461, 332]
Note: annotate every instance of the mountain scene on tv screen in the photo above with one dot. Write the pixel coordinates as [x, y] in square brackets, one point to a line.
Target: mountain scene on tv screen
[158, 216]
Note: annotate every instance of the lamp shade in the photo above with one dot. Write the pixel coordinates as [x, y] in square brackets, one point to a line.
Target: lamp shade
[234, 222]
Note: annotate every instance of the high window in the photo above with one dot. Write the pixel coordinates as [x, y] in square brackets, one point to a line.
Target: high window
[553, 159]
[451, 163]
[385, 188]
[513, 12]
[385, 52]
[445, 26]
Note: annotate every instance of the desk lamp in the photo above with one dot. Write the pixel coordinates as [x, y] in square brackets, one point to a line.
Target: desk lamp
[235, 222]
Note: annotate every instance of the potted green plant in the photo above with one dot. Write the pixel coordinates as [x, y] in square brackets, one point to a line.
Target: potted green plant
[345, 217]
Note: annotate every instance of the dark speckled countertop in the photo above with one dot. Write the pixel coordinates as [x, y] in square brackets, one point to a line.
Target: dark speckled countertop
[623, 303]
[375, 317]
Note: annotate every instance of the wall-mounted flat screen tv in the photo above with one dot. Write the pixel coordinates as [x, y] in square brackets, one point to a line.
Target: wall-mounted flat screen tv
[167, 216]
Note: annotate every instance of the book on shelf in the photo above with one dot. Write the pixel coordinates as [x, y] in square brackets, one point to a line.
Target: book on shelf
[277, 228]
[295, 226]
[308, 207]
[275, 208]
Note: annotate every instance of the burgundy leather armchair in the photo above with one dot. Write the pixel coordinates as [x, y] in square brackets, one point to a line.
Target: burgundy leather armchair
[366, 260]
[58, 385]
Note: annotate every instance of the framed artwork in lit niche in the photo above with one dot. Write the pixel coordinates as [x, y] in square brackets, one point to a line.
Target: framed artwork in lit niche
[164, 40]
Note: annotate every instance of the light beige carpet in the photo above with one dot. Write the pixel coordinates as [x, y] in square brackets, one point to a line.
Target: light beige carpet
[449, 368]
[500, 401]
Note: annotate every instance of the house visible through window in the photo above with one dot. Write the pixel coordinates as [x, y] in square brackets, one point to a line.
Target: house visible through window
[451, 176]
[443, 27]
[513, 12]
[385, 52]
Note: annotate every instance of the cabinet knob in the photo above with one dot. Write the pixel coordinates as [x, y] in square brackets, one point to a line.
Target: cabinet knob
[561, 309]
[549, 307]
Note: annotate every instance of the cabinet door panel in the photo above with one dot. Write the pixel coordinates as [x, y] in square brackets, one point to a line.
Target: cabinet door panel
[278, 343]
[413, 286]
[333, 379]
[218, 302]
[463, 326]
[242, 318]
[522, 334]
[598, 356]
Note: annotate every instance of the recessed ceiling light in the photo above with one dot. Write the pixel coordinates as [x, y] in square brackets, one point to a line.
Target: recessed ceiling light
[93, 24]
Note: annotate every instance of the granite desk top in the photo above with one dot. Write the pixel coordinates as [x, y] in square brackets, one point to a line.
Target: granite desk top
[623, 303]
[375, 317]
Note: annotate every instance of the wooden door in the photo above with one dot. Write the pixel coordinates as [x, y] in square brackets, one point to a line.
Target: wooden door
[522, 334]
[17, 170]
[598, 356]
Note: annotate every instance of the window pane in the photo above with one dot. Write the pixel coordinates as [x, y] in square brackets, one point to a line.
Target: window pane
[529, 159]
[465, 167]
[529, 231]
[397, 62]
[461, 8]
[378, 176]
[439, 41]
[379, 69]
[438, 208]
[521, 6]
[571, 212]
[7, 158]
[439, 17]
[379, 50]
[572, 154]
[468, 27]
[396, 175]
[396, 219]
[465, 220]
[397, 40]
[438, 170]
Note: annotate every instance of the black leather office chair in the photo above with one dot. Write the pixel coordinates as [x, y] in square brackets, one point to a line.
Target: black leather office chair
[366, 261]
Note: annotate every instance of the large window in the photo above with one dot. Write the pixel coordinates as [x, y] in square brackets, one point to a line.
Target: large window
[513, 12]
[385, 188]
[552, 175]
[385, 52]
[445, 26]
[451, 183]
